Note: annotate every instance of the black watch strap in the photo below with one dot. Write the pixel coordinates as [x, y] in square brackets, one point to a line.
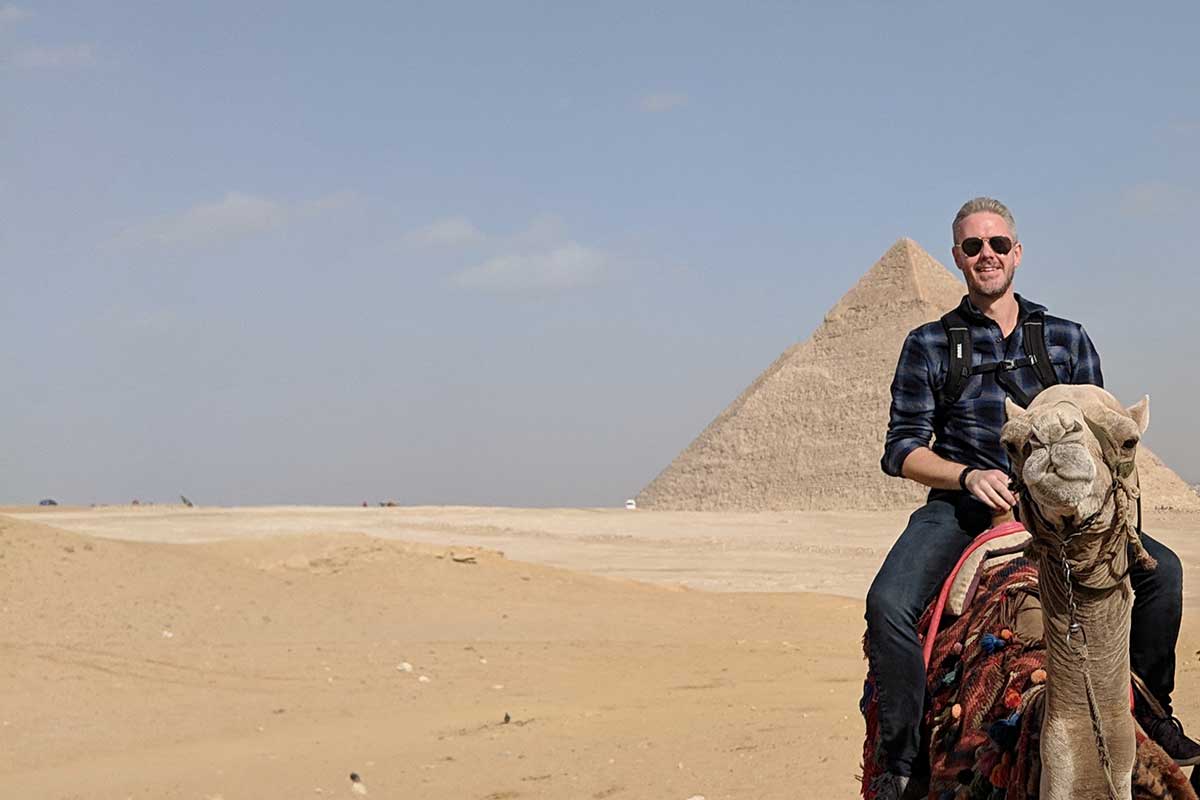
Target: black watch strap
[962, 477]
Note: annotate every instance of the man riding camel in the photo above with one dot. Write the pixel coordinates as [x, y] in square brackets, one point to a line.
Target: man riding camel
[992, 340]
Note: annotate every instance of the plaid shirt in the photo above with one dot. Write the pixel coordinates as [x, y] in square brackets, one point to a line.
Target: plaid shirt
[968, 431]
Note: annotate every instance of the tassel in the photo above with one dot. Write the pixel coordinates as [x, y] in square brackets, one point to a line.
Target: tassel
[950, 678]
[1005, 732]
[991, 643]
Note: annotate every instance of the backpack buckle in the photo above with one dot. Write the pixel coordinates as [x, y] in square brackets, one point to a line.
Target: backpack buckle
[1008, 364]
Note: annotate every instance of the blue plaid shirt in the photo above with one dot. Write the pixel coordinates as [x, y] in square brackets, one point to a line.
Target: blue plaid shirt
[968, 432]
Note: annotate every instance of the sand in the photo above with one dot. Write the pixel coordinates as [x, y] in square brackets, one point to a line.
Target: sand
[155, 652]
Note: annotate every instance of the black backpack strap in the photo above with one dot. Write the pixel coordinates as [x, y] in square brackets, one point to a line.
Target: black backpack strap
[1033, 336]
[958, 371]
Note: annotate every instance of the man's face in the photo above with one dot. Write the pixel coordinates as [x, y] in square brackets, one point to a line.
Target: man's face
[988, 274]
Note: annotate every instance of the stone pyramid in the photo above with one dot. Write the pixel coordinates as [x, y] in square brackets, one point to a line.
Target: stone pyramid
[808, 433]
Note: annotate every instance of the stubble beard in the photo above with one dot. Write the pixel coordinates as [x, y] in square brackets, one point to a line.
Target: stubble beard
[999, 291]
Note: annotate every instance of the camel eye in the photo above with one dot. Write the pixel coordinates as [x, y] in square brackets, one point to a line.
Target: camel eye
[1130, 444]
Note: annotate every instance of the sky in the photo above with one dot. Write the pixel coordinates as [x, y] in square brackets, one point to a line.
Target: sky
[523, 253]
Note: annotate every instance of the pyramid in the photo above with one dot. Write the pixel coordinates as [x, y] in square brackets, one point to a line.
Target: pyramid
[808, 433]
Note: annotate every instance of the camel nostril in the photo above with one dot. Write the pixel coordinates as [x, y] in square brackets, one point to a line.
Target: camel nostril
[1067, 423]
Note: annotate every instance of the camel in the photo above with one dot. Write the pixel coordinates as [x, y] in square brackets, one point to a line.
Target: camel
[1073, 452]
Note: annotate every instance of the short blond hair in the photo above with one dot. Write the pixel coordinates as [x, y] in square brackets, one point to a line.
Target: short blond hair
[979, 205]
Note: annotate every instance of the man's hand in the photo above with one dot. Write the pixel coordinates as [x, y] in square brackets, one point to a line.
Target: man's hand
[991, 487]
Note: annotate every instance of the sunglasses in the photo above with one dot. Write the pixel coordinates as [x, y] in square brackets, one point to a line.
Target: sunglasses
[973, 246]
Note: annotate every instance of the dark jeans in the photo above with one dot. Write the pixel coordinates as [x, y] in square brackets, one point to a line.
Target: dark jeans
[910, 578]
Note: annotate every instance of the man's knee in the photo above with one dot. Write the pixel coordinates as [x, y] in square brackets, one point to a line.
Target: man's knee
[888, 604]
[879, 603]
[1170, 569]
[1167, 576]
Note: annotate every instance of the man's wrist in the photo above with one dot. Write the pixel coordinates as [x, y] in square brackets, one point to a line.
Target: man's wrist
[962, 477]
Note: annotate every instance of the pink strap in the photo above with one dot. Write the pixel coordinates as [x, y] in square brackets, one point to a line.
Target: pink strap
[1003, 529]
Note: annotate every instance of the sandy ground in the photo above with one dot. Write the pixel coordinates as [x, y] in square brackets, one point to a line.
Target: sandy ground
[156, 652]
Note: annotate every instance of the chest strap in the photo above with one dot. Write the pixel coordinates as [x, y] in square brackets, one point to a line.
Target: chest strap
[960, 370]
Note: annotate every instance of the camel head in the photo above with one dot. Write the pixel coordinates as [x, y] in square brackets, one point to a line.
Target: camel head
[1070, 447]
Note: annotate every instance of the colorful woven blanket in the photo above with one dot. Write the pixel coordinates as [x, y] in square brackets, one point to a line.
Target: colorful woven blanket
[985, 690]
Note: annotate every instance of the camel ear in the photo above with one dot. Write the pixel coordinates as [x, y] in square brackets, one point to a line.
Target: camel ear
[1011, 409]
[1140, 411]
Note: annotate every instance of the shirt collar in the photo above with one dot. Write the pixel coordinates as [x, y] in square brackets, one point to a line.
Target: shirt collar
[1025, 309]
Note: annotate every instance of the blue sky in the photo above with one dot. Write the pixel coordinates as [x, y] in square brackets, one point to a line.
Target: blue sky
[523, 253]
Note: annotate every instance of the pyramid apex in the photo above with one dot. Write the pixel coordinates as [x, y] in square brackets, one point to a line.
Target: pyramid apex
[906, 273]
[908, 257]
[905, 243]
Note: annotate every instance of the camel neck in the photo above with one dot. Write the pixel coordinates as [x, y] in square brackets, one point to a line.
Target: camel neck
[1099, 651]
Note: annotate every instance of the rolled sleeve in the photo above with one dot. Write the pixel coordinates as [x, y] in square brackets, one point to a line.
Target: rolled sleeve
[910, 421]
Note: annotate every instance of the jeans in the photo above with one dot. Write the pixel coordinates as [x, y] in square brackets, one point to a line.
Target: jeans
[913, 573]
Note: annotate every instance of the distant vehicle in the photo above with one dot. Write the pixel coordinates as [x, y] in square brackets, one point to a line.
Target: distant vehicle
[48, 502]
[185, 501]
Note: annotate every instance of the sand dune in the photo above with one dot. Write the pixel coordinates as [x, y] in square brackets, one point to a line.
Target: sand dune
[271, 666]
[268, 668]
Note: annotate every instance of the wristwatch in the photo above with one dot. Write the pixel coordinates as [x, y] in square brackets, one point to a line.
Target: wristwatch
[962, 477]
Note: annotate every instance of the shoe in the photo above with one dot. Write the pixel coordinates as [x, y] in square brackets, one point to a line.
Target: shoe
[1167, 733]
[890, 786]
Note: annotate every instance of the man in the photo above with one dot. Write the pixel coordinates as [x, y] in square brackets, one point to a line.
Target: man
[967, 471]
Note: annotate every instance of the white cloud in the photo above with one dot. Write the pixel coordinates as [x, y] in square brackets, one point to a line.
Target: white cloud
[10, 14]
[54, 57]
[1158, 198]
[543, 231]
[658, 102]
[445, 232]
[540, 257]
[565, 266]
[1184, 126]
[334, 201]
[236, 216]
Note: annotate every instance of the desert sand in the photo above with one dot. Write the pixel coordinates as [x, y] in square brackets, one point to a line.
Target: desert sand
[157, 652]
